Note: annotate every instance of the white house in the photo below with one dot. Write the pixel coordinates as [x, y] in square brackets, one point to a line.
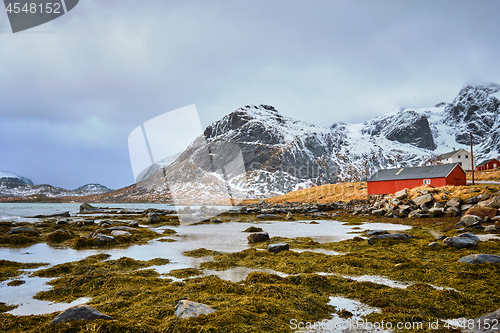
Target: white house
[461, 156]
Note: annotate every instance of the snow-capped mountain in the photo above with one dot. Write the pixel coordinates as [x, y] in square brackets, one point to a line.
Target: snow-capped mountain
[14, 187]
[279, 154]
[12, 177]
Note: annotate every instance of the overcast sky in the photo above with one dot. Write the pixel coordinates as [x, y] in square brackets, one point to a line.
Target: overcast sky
[72, 90]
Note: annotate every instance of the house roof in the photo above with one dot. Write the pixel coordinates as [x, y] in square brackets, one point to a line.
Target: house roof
[431, 171]
[451, 153]
[486, 162]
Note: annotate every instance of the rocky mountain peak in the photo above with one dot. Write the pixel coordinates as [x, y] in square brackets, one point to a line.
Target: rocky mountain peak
[474, 110]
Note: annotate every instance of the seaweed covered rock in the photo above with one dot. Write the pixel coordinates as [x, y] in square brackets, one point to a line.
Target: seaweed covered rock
[87, 208]
[22, 230]
[389, 236]
[258, 237]
[187, 309]
[480, 259]
[79, 312]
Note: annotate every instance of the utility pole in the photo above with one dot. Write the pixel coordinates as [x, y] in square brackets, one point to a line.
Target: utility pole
[472, 157]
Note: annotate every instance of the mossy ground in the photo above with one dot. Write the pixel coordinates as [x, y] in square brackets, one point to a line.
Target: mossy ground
[141, 300]
[12, 269]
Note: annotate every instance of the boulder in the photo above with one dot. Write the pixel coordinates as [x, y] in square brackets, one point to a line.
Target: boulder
[258, 237]
[464, 208]
[424, 216]
[454, 202]
[414, 212]
[403, 194]
[187, 309]
[22, 230]
[375, 232]
[433, 245]
[120, 233]
[490, 228]
[87, 208]
[482, 212]
[493, 202]
[436, 211]
[121, 227]
[275, 248]
[423, 199]
[470, 219]
[101, 237]
[289, 216]
[452, 211]
[267, 216]
[379, 212]
[480, 259]
[79, 312]
[462, 241]
[154, 218]
[472, 200]
[133, 224]
[62, 222]
[387, 236]
[491, 318]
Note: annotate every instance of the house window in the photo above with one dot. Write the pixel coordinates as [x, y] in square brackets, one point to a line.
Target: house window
[427, 181]
[460, 163]
[458, 156]
[494, 166]
[466, 156]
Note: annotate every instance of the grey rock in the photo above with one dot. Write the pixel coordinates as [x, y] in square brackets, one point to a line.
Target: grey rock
[433, 245]
[403, 194]
[258, 237]
[289, 216]
[423, 199]
[470, 219]
[62, 222]
[490, 227]
[472, 200]
[436, 211]
[267, 216]
[463, 208]
[102, 238]
[469, 235]
[465, 240]
[452, 211]
[275, 248]
[424, 208]
[22, 230]
[414, 212]
[479, 323]
[393, 236]
[133, 224]
[121, 227]
[79, 312]
[120, 233]
[480, 259]
[379, 212]
[493, 202]
[424, 216]
[454, 202]
[187, 309]
[154, 218]
[375, 232]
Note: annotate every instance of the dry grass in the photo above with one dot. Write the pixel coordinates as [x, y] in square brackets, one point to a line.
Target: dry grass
[324, 193]
[485, 175]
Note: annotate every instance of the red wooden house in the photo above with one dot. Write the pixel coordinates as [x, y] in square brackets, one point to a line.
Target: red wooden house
[492, 163]
[392, 180]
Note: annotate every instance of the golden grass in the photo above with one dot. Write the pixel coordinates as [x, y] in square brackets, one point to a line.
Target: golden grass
[491, 175]
[324, 194]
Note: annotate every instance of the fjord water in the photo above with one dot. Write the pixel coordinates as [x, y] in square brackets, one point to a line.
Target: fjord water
[225, 237]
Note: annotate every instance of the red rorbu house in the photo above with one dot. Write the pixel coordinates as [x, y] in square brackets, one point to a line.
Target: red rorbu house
[392, 180]
[492, 163]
